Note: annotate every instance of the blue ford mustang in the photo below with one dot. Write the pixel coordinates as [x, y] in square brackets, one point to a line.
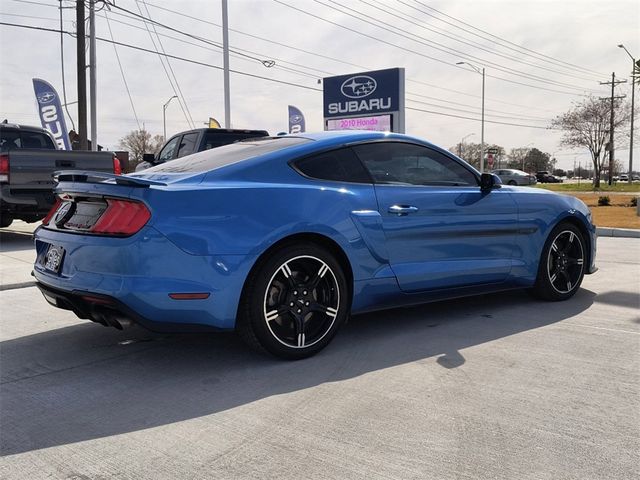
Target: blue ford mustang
[282, 238]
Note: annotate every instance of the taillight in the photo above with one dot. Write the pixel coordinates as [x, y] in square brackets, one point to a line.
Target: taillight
[47, 219]
[122, 217]
[4, 168]
[117, 168]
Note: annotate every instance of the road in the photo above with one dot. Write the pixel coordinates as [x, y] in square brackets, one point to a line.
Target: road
[499, 386]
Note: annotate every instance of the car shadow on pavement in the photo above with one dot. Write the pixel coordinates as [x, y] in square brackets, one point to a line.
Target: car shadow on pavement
[85, 382]
[15, 241]
[620, 299]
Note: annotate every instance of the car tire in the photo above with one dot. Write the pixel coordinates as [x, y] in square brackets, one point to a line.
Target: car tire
[512, 182]
[562, 264]
[294, 302]
[5, 221]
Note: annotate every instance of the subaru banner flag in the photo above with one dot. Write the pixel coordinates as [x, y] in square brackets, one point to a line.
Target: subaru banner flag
[296, 120]
[51, 114]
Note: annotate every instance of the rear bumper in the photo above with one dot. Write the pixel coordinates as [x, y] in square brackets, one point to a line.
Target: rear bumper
[109, 311]
[137, 275]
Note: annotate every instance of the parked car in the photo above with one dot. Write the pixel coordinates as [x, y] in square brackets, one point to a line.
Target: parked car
[198, 140]
[546, 177]
[512, 176]
[624, 177]
[282, 238]
[28, 158]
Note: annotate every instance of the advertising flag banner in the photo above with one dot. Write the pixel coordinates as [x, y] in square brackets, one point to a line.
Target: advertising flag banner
[296, 120]
[213, 123]
[51, 114]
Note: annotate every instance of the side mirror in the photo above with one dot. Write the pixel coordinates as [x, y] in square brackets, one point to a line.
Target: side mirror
[489, 181]
[149, 158]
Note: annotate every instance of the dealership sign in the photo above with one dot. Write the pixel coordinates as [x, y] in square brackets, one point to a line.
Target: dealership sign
[365, 101]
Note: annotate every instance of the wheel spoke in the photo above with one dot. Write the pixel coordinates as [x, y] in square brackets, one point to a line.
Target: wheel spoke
[575, 261]
[313, 283]
[567, 279]
[273, 314]
[318, 307]
[288, 274]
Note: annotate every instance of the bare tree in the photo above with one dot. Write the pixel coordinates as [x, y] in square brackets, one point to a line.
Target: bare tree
[470, 153]
[586, 125]
[139, 142]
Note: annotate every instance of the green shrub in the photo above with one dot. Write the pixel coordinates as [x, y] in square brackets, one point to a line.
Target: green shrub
[604, 201]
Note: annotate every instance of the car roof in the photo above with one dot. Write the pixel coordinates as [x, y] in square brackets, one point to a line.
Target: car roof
[223, 130]
[15, 126]
[344, 137]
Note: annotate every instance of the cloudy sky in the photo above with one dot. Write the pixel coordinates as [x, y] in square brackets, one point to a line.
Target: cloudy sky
[540, 56]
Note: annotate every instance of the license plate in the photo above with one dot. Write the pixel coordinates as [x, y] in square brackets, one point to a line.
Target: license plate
[52, 260]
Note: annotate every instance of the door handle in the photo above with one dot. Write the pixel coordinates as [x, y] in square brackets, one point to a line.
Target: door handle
[402, 210]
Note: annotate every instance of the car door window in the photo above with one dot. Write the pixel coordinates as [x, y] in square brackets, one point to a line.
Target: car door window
[340, 165]
[187, 144]
[169, 150]
[409, 164]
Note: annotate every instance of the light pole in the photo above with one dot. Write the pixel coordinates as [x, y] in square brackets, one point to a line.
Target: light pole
[477, 69]
[462, 142]
[164, 118]
[633, 89]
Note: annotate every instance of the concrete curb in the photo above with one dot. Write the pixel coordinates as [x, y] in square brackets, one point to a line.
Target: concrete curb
[14, 286]
[617, 232]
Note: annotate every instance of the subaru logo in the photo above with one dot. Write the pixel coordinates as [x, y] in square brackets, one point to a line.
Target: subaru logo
[46, 97]
[359, 86]
[295, 118]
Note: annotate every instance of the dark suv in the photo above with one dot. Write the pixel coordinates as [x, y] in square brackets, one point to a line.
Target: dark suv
[193, 141]
[546, 177]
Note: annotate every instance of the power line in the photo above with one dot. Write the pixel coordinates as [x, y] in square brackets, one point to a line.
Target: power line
[320, 55]
[418, 53]
[178, 93]
[134, 47]
[478, 119]
[436, 46]
[124, 78]
[516, 117]
[463, 41]
[187, 60]
[527, 51]
[64, 83]
[241, 57]
[265, 63]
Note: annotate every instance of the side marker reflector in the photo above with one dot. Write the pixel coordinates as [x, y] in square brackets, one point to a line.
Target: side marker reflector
[189, 296]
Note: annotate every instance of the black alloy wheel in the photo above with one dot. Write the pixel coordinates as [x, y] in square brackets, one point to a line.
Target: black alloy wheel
[297, 300]
[562, 265]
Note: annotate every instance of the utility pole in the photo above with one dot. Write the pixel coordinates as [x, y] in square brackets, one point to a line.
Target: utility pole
[633, 89]
[225, 58]
[82, 75]
[92, 75]
[613, 84]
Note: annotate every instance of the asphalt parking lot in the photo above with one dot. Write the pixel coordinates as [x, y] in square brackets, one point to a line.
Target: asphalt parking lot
[500, 386]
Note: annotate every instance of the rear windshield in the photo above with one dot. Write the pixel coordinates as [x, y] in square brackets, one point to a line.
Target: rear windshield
[227, 154]
[13, 139]
[214, 140]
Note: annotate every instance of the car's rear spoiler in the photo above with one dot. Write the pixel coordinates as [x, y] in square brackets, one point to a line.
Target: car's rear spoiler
[80, 176]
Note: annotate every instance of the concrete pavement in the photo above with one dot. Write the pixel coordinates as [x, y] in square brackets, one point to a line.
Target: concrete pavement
[500, 386]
